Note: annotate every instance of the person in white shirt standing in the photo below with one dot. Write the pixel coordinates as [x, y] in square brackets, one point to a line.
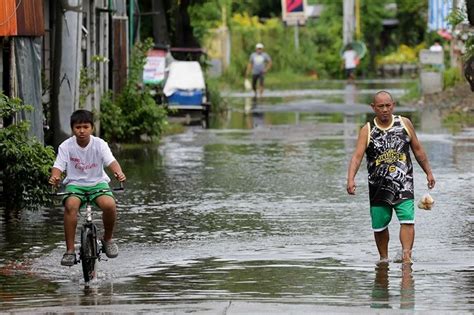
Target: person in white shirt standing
[436, 46]
[83, 158]
[351, 59]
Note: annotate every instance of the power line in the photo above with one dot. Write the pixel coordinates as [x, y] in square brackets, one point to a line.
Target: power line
[14, 12]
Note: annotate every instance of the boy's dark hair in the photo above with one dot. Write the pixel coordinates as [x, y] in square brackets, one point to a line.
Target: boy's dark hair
[82, 116]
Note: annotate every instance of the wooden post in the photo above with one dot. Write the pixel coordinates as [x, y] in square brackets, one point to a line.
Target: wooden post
[297, 37]
[65, 98]
[348, 22]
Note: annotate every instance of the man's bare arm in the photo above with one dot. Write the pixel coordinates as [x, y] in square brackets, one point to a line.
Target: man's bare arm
[248, 69]
[356, 159]
[420, 154]
[269, 65]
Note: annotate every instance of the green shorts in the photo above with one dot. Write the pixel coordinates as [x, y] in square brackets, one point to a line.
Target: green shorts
[381, 215]
[83, 189]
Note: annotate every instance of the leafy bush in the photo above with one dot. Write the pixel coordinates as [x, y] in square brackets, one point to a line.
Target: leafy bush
[404, 54]
[133, 114]
[457, 119]
[111, 118]
[218, 103]
[24, 161]
[451, 77]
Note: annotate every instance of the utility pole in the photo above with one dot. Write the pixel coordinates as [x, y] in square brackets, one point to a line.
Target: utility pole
[160, 25]
[66, 67]
[131, 13]
[348, 27]
[357, 19]
[297, 37]
[452, 55]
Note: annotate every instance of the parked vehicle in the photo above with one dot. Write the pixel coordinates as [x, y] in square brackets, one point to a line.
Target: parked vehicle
[185, 90]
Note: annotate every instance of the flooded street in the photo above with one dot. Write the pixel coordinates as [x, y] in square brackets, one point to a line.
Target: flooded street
[252, 216]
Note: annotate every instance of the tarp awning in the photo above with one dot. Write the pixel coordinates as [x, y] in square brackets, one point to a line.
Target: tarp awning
[184, 75]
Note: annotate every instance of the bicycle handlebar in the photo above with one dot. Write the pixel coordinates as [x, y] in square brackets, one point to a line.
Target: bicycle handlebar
[85, 194]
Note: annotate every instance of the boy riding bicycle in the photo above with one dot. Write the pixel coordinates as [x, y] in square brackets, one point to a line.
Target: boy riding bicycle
[83, 158]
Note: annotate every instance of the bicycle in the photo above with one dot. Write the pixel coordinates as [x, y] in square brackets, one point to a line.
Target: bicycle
[90, 247]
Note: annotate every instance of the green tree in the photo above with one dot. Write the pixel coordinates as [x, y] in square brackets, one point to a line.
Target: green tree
[172, 15]
[261, 8]
[24, 162]
[372, 14]
[205, 16]
[326, 34]
[412, 18]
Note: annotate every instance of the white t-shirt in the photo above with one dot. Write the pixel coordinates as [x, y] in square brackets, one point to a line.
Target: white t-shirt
[349, 59]
[436, 48]
[84, 166]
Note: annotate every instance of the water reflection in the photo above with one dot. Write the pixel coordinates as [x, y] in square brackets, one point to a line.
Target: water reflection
[407, 288]
[350, 95]
[382, 293]
[430, 120]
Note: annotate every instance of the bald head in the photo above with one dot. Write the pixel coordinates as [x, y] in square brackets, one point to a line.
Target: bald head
[381, 94]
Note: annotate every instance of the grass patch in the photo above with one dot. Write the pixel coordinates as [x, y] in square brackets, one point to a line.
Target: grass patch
[451, 77]
[413, 93]
[273, 80]
[172, 129]
[288, 80]
[458, 119]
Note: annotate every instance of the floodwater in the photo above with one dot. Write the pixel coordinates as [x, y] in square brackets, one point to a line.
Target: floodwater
[251, 216]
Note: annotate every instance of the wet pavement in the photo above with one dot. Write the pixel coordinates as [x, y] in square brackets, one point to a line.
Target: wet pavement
[251, 217]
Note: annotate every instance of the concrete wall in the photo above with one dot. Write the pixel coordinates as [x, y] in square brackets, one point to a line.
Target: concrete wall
[431, 71]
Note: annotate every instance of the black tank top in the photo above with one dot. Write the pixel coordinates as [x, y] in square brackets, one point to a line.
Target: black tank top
[389, 164]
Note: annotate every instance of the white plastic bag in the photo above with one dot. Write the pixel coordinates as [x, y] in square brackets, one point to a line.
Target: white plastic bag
[426, 202]
[247, 85]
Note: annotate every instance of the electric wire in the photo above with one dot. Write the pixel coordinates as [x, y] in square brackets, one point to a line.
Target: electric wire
[13, 13]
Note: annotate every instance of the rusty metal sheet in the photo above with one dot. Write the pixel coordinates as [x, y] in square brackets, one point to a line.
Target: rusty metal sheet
[119, 53]
[21, 18]
[30, 21]
[8, 18]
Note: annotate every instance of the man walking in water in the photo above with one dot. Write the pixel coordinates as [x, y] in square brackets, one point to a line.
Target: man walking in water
[259, 63]
[386, 143]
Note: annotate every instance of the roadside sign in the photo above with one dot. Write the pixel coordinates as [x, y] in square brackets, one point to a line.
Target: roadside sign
[154, 70]
[293, 12]
[428, 57]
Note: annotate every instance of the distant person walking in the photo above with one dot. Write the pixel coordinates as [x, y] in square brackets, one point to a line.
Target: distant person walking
[351, 60]
[259, 63]
[386, 142]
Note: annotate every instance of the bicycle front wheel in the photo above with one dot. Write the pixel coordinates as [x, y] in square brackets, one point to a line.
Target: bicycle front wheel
[88, 252]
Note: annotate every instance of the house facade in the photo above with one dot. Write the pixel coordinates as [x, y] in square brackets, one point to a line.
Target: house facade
[62, 55]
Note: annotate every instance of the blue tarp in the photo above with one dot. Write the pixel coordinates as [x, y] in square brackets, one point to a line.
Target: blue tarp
[438, 11]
